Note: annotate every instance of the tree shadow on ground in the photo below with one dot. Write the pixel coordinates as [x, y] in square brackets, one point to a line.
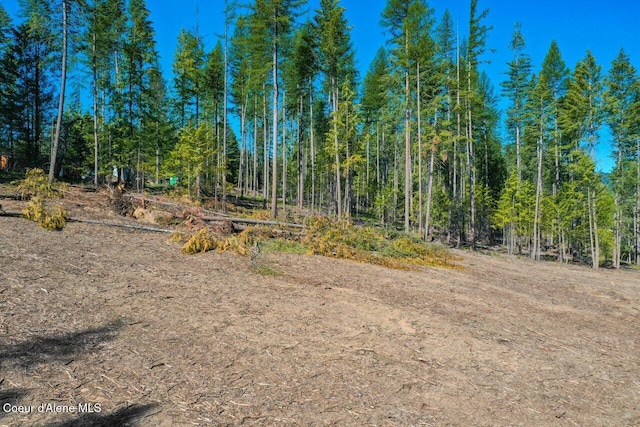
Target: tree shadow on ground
[127, 416]
[43, 349]
[11, 396]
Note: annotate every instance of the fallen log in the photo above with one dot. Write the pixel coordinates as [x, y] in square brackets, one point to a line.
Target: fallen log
[14, 214]
[173, 207]
[10, 196]
[277, 233]
[211, 215]
[121, 225]
[251, 221]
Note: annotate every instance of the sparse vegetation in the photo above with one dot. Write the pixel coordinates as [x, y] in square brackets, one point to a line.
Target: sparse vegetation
[266, 270]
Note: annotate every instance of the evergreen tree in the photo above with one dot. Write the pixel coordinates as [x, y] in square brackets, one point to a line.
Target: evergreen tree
[214, 92]
[63, 83]
[583, 109]
[409, 23]
[516, 89]
[276, 17]
[622, 93]
[299, 74]
[375, 98]
[100, 40]
[140, 59]
[336, 60]
[555, 73]
[8, 89]
[580, 120]
[187, 70]
[477, 39]
[34, 57]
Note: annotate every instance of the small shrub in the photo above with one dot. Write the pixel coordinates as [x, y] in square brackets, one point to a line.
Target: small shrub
[202, 241]
[49, 219]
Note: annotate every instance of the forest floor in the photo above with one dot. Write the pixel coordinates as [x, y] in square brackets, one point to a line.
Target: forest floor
[96, 315]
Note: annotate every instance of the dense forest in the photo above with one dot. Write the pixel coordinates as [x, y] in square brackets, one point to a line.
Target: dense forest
[277, 111]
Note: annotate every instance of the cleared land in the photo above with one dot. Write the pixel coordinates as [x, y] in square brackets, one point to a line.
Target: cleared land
[97, 314]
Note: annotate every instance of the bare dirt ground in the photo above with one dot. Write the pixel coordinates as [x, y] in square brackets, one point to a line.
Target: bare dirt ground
[120, 318]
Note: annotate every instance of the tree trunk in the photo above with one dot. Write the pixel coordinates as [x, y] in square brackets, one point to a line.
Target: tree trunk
[63, 83]
[518, 156]
[274, 168]
[616, 231]
[243, 149]
[284, 153]
[407, 154]
[313, 153]
[637, 215]
[596, 237]
[457, 191]
[224, 109]
[300, 154]
[347, 180]
[535, 251]
[94, 67]
[254, 182]
[336, 147]
[396, 179]
[471, 167]
[421, 233]
[427, 221]
[265, 149]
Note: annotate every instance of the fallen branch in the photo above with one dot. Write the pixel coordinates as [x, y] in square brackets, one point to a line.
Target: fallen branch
[122, 225]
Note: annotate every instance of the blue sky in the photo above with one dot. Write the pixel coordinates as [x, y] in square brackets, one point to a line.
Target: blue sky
[577, 25]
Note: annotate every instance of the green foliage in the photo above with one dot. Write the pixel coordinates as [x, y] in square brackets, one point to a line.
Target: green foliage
[284, 246]
[341, 239]
[335, 50]
[187, 69]
[36, 184]
[582, 115]
[516, 206]
[188, 159]
[53, 219]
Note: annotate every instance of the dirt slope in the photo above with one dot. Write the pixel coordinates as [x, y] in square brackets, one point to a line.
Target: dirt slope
[94, 314]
